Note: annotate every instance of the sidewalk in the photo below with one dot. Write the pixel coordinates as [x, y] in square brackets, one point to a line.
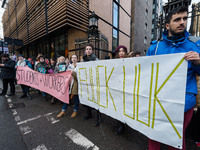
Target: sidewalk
[17, 87]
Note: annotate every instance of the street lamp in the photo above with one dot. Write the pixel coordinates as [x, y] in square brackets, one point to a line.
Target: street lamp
[93, 32]
[93, 21]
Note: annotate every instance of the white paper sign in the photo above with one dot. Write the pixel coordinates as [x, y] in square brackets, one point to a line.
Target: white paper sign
[147, 93]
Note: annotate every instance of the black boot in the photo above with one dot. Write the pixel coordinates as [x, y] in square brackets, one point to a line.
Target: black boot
[98, 119]
[11, 94]
[22, 96]
[120, 129]
[2, 94]
[29, 96]
[88, 114]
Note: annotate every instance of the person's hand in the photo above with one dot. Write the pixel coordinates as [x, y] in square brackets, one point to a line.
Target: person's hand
[193, 57]
[1, 65]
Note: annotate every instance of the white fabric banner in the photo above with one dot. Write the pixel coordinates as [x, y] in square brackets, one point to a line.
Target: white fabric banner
[147, 93]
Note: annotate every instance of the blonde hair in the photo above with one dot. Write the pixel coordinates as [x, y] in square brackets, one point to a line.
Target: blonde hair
[60, 58]
[38, 56]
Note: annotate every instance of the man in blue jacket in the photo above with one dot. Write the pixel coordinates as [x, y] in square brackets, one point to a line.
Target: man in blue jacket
[176, 40]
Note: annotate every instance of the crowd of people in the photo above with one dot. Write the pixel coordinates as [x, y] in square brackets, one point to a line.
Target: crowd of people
[175, 40]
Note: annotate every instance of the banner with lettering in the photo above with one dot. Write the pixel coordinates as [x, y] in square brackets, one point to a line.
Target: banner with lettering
[147, 93]
[56, 85]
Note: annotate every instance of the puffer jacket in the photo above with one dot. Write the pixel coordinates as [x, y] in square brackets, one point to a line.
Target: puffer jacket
[42, 67]
[181, 45]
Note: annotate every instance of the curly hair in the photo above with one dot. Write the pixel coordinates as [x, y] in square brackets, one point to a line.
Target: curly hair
[121, 46]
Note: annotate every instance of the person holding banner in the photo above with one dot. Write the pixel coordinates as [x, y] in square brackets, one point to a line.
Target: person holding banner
[61, 65]
[22, 62]
[73, 89]
[52, 65]
[176, 40]
[42, 67]
[89, 56]
[8, 74]
[120, 52]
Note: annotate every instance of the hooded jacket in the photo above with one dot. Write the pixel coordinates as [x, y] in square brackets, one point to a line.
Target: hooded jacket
[180, 45]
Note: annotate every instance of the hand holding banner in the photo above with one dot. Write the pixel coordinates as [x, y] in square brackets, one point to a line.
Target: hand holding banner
[56, 85]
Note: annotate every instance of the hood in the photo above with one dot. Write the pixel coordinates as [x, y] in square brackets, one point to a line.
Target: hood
[177, 39]
[91, 57]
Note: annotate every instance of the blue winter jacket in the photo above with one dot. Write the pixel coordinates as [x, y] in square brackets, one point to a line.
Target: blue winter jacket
[167, 46]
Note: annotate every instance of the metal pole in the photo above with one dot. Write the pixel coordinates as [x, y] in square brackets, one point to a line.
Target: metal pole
[161, 23]
[2, 47]
[46, 17]
[16, 19]
[27, 20]
[98, 43]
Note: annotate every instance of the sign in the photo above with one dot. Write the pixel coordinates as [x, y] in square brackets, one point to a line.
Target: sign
[56, 85]
[11, 41]
[147, 93]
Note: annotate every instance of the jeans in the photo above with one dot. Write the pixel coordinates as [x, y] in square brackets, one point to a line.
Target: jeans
[44, 94]
[25, 89]
[76, 101]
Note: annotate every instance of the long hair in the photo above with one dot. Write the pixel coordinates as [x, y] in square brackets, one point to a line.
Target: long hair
[117, 51]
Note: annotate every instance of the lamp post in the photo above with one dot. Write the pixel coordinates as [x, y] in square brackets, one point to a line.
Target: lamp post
[93, 30]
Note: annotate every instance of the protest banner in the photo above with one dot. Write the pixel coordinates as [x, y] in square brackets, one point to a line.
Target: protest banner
[146, 93]
[56, 85]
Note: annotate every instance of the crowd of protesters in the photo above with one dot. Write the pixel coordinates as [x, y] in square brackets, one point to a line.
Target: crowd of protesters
[175, 39]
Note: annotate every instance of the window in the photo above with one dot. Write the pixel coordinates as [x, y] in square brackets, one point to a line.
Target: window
[152, 26]
[146, 27]
[115, 39]
[146, 13]
[115, 15]
[74, 1]
[145, 40]
[115, 36]
[154, 6]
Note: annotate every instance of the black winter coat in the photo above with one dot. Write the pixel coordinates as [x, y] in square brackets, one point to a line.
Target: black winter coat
[8, 71]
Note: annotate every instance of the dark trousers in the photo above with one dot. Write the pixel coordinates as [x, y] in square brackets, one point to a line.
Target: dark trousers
[5, 85]
[25, 89]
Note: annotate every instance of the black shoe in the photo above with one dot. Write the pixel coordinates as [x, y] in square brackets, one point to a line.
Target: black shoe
[120, 130]
[11, 94]
[88, 116]
[22, 96]
[29, 96]
[97, 123]
[46, 99]
[2, 94]
[98, 119]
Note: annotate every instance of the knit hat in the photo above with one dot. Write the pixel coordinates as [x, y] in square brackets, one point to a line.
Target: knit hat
[121, 46]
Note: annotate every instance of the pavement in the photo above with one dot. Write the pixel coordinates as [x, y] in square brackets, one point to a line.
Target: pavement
[32, 125]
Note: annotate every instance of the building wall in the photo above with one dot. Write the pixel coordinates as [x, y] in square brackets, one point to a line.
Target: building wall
[156, 11]
[196, 22]
[44, 19]
[139, 25]
[104, 9]
[74, 34]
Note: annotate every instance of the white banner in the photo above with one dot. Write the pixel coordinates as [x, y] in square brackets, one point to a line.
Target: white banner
[147, 93]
